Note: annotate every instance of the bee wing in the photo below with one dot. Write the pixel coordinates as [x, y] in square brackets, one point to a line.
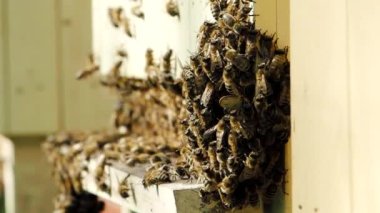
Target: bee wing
[230, 102]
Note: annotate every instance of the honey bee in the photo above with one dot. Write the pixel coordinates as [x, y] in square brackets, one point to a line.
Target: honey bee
[211, 152]
[209, 173]
[229, 81]
[231, 40]
[201, 118]
[240, 61]
[122, 53]
[204, 33]
[276, 66]
[222, 157]
[243, 13]
[115, 71]
[111, 154]
[198, 154]
[252, 160]
[159, 158]
[182, 173]
[156, 176]
[127, 26]
[235, 165]
[124, 187]
[210, 186]
[115, 15]
[232, 142]
[172, 8]
[137, 11]
[231, 102]
[262, 90]
[215, 9]
[267, 45]
[195, 63]
[166, 61]
[221, 134]
[149, 58]
[90, 68]
[269, 192]
[213, 75]
[241, 127]
[210, 134]
[191, 138]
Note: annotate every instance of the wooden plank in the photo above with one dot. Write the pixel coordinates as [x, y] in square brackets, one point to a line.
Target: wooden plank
[32, 66]
[86, 104]
[178, 197]
[2, 66]
[363, 33]
[320, 123]
[4, 81]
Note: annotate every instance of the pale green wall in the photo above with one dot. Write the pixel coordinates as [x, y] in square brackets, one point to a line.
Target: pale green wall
[43, 43]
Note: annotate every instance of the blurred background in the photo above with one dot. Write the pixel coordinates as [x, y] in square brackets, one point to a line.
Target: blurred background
[42, 44]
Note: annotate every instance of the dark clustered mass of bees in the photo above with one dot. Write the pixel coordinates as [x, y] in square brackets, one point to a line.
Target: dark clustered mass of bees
[236, 91]
[224, 123]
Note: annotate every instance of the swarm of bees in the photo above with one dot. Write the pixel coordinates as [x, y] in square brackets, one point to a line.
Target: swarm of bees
[236, 91]
[153, 104]
[224, 122]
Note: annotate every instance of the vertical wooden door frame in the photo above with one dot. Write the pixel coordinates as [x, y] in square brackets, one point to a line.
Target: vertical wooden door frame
[4, 70]
[59, 77]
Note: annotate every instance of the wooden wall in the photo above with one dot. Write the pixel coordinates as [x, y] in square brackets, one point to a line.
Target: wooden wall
[335, 105]
[2, 66]
[40, 54]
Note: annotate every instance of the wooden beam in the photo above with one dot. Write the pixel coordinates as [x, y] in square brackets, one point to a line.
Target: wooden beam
[320, 113]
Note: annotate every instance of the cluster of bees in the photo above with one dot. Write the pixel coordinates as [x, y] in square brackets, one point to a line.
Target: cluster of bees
[153, 104]
[224, 122]
[236, 91]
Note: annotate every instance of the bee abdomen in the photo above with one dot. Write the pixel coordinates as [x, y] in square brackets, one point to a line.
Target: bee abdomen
[215, 9]
[269, 193]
